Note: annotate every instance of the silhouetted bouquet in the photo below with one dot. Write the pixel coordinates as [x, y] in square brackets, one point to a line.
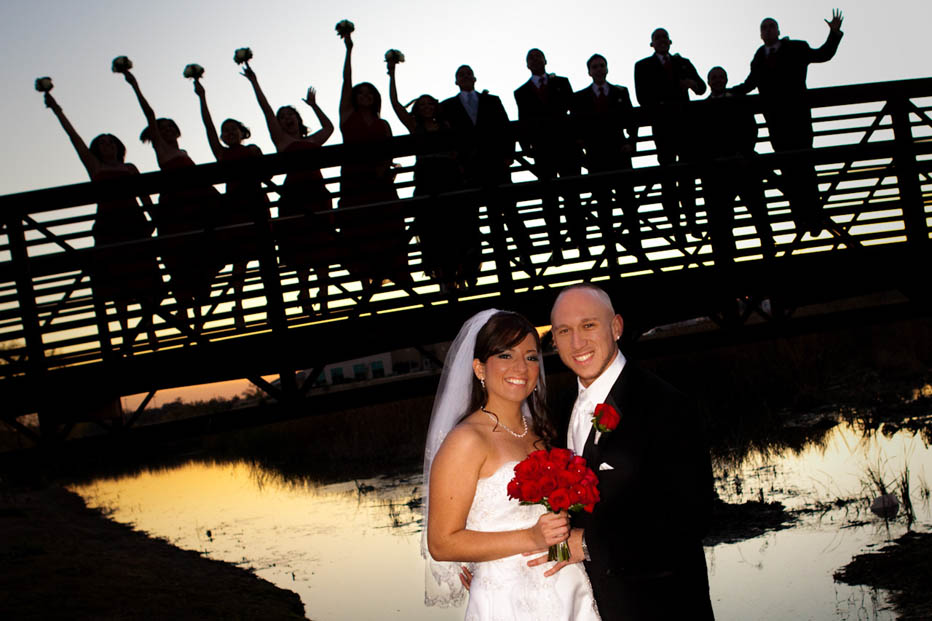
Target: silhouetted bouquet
[394, 57]
[558, 480]
[242, 55]
[121, 64]
[44, 85]
[193, 71]
[345, 27]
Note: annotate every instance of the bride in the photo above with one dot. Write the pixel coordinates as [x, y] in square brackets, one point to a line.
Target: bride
[492, 384]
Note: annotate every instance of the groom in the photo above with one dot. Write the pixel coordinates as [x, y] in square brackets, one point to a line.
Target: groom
[642, 545]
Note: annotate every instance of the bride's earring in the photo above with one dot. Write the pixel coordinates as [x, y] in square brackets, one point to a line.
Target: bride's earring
[482, 381]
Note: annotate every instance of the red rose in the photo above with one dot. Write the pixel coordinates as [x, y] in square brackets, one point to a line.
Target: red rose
[569, 477]
[531, 492]
[547, 483]
[559, 500]
[514, 489]
[578, 462]
[561, 456]
[606, 418]
[589, 494]
[528, 470]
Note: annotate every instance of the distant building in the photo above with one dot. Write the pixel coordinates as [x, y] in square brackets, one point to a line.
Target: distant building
[378, 366]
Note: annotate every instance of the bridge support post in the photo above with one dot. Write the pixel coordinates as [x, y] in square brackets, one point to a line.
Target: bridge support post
[275, 304]
[32, 331]
[907, 172]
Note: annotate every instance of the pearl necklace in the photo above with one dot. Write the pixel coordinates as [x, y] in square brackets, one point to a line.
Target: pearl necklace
[495, 419]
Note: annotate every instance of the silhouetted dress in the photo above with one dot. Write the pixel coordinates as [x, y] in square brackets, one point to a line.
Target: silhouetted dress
[309, 241]
[376, 239]
[121, 272]
[191, 261]
[242, 205]
[436, 173]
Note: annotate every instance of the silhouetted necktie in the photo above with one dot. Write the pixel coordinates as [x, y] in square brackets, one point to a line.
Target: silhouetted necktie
[771, 57]
[601, 100]
[472, 106]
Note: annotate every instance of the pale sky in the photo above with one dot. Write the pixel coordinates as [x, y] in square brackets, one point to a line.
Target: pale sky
[295, 45]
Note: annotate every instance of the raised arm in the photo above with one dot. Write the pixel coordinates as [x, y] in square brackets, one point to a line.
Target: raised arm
[453, 477]
[91, 163]
[212, 138]
[278, 135]
[406, 118]
[158, 143]
[346, 95]
[326, 126]
[828, 49]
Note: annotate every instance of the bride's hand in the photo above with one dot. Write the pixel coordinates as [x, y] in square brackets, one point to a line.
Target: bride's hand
[551, 528]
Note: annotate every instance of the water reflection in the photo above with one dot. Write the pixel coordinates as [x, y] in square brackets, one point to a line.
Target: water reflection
[351, 549]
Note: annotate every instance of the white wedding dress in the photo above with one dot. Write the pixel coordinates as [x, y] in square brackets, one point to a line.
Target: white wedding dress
[507, 589]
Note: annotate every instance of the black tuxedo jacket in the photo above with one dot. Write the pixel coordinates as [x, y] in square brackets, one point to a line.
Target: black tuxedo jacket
[662, 98]
[781, 82]
[784, 76]
[485, 149]
[543, 114]
[605, 131]
[655, 480]
[654, 86]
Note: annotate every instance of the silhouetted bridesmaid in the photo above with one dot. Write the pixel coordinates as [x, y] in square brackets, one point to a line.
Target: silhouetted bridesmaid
[307, 241]
[120, 273]
[376, 237]
[444, 256]
[243, 203]
[191, 260]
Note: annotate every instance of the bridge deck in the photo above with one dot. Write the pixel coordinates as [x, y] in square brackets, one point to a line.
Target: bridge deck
[873, 157]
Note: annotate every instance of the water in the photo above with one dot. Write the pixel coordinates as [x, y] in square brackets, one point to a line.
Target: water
[351, 550]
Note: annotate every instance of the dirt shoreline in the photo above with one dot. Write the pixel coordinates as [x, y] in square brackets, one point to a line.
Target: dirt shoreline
[61, 560]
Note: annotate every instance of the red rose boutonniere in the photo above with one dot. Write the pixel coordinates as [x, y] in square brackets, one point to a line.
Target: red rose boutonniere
[606, 418]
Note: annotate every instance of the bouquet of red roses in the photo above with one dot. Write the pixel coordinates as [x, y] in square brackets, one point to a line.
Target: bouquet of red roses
[559, 480]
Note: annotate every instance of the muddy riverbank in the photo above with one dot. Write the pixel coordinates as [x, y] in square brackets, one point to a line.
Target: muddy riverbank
[62, 560]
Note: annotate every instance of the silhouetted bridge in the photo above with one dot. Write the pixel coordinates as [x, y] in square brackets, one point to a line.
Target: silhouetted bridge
[64, 352]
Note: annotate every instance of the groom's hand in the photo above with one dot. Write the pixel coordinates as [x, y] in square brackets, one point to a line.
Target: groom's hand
[465, 576]
[576, 554]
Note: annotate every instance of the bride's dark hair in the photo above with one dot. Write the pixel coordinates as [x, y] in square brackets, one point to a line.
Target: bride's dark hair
[501, 332]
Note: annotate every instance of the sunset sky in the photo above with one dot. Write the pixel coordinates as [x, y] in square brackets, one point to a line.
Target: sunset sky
[295, 45]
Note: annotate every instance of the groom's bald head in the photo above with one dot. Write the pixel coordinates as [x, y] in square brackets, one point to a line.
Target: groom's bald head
[591, 289]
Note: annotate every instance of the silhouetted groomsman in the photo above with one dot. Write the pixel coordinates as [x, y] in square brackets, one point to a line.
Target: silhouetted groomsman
[604, 119]
[778, 71]
[662, 83]
[485, 148]
[730, 134]
[546, 136]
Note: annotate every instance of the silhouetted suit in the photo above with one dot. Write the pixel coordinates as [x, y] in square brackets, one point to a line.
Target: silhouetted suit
[485, 150]
[545, 134]
[658, 90]
[728, 141]
[645, 534]
[606, 125]
[780, 77]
